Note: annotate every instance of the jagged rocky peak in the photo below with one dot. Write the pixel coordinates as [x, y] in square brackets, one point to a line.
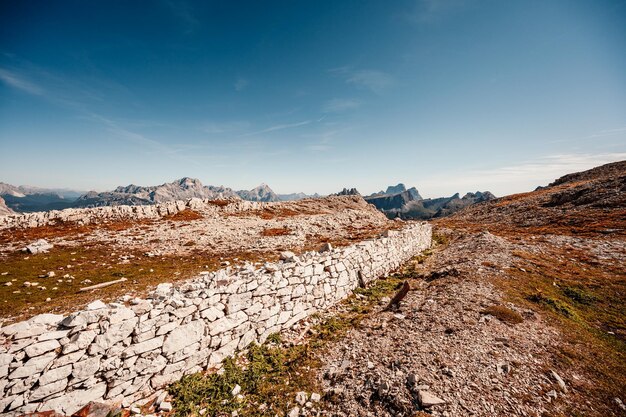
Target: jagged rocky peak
[395, 189]
[261, 193]
[479, 196]
[348, 191]
[187, 182]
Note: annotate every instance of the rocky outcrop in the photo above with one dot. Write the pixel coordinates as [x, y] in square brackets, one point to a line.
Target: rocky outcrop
[123, 352]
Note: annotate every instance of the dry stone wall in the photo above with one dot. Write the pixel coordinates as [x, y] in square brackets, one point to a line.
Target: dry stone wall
[123, 352]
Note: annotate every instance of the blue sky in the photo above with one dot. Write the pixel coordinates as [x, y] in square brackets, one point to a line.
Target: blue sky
[445, 95]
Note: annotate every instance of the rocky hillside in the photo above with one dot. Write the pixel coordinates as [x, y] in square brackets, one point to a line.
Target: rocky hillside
[589, 202]
[559, 253]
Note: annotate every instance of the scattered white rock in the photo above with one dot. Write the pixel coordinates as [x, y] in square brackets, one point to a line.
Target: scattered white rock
[288, 256]
[96, 305]
[301, 397]
[426, 399]
[39, 246]
[559, 381]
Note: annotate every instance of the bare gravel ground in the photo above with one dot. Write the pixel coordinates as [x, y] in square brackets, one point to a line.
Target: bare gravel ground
[447, 340]
[217, 228]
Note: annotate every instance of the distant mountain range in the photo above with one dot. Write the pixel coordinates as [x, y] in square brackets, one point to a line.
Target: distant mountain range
[181, 189]
[398, 201]
[29, 199]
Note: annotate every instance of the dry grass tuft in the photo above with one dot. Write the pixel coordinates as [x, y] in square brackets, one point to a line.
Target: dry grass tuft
[275, 231]
[504, 314]
[219, 203]
[66, 229]
[96, 264]
[185, 215]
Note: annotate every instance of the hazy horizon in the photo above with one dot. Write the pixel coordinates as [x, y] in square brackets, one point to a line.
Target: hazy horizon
[568, 168]
[444, 95]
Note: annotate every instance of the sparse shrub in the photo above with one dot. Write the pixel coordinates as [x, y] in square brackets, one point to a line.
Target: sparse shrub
[274, 338]
[440, 239]
[421, 258]
[579, 295]
[213, 391]
[556, 305]
[276, 231]
[219, 203]
[184, 215]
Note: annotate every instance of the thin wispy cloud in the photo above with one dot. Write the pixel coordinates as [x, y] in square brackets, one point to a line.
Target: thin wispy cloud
[184, 12]
[16, 81]
[219, 128]
[429, 11]
[323, 142]
[63, 93]
[278, 127]
[120, 131]
[59, 90]
[370, 79]
[338, 105]
[241, 84]
[606, 133]
[520, 177]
